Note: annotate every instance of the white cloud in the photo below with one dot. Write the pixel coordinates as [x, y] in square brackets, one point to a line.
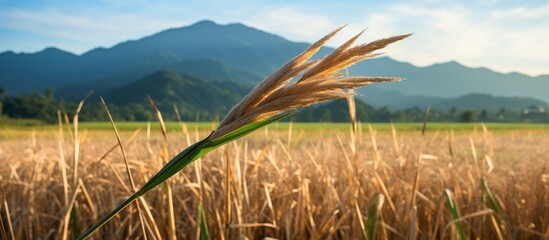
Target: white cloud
[291, 23]
[487, 2]
[522, 13]
[298, 24]
[81, 32]
[474, 38]
[449, 31]
[43, 21]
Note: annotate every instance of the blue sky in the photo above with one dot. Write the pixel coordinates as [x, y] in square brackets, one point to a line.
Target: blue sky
[506, 36]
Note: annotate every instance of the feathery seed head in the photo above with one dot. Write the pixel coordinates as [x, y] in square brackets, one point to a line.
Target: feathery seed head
[320, 81]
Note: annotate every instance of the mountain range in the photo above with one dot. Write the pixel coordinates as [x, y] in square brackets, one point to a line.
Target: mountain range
[232, 58]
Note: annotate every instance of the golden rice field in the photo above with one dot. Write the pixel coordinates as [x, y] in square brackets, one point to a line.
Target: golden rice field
[280, 184]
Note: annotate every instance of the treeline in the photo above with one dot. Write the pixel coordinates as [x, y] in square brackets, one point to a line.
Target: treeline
[44, 107]
[337, 111]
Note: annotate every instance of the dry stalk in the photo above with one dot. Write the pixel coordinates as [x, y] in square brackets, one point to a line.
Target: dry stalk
[128, 171]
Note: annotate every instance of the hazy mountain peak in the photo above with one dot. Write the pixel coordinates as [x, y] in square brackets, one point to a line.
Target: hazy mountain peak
[452, 63]
[53, 51]
[7, 53]
[47, 50]
[205, 22]
[202, 25]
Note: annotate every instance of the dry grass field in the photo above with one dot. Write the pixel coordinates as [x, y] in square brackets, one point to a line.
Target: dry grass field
[283, 184]
[314, 183]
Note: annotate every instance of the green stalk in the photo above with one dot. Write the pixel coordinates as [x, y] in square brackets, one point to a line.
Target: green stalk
[204, 233]
[493, 202]
[105, 219]
[375, 208]
[454, 211]
[180, 161]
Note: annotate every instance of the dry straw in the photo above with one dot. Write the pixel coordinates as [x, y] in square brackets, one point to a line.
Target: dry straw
[319, 81]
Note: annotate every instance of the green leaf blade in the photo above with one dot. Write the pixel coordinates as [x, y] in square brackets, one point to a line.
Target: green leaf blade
[204, 233]
[454, 211]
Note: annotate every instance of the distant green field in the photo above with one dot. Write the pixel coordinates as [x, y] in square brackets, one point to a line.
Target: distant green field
[205, 126]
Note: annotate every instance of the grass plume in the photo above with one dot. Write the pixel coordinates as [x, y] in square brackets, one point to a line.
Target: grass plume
[320, 81]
